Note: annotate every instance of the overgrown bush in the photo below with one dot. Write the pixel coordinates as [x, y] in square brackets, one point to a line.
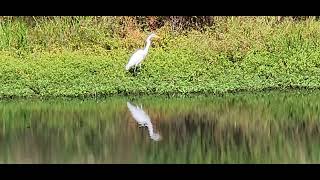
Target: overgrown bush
[85, 56]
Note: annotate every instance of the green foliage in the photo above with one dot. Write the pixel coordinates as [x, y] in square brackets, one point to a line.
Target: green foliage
[85, 56]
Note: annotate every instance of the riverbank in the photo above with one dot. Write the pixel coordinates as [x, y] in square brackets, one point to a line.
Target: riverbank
[81, 60]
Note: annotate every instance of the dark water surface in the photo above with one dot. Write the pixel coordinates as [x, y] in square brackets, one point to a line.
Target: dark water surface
[242, 128]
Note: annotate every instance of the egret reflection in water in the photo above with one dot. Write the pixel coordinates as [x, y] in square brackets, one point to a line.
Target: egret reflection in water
[143, 120]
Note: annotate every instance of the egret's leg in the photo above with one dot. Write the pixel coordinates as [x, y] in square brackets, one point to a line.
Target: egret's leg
[140, 66]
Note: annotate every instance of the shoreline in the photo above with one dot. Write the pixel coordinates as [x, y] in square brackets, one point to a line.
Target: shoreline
[168, 96]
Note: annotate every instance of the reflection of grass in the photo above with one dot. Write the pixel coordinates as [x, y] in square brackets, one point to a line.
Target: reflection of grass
[247, 128]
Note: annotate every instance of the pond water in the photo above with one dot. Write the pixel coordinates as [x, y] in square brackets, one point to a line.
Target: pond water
[243, 128]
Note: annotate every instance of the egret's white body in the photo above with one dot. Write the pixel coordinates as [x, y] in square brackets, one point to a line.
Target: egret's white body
[136, 59]
[140, 54]
[143, 120]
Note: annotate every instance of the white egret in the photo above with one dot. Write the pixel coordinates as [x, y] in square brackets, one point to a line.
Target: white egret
[143, 120]
[140, 54]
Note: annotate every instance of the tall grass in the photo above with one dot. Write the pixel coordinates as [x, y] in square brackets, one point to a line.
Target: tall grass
[85, 56]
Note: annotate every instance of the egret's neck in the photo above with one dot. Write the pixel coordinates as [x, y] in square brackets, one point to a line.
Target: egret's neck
[152, 134]
[150, 129]
[148, 45]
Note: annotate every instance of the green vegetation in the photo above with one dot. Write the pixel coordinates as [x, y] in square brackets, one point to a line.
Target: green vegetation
[86, 56]
[246, 128]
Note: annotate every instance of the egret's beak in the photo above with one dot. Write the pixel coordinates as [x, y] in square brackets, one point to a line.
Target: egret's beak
[157, 37]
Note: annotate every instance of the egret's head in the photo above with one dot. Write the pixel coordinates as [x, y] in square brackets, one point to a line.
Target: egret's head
[153, 35]
[156, 137]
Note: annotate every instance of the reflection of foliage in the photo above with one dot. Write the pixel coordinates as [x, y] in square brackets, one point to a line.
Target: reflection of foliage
[241, 128]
